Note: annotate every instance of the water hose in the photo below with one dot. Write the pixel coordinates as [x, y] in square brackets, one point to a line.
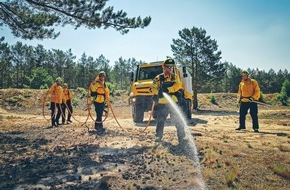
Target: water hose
[262, 103]
[43, 105]
[151, 114]
[88, 109]
[110, 106]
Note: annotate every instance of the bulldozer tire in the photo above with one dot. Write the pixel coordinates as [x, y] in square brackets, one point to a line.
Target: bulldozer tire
[137, 114]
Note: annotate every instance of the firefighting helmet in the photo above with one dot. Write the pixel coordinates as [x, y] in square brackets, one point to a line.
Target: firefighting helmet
[58, 79]
[64, 84]
[102, 73]
[169, 62]
[244, 72]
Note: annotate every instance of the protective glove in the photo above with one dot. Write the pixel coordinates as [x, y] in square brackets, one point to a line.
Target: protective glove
[164, 89]
[251, 99]
[155, 98]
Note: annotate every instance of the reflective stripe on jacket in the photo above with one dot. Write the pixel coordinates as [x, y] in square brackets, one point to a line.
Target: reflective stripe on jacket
[247, 89]
[173, 88]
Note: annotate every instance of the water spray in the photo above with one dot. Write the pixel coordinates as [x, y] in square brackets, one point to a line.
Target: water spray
[190, 147]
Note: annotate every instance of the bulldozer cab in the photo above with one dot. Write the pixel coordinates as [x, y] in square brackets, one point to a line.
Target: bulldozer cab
[146, 71]
[149, 72]
[141, 97]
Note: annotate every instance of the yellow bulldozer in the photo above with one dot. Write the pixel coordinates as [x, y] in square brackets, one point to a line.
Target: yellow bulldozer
[140, 97]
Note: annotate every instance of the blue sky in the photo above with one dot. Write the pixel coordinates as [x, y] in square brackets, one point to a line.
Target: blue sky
[250, 33]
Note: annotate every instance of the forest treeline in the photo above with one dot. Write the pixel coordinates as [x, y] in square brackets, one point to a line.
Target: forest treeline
[23, 66]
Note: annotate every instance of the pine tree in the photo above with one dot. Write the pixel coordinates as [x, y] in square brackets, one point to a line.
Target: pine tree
[31, 19]
[200, 53]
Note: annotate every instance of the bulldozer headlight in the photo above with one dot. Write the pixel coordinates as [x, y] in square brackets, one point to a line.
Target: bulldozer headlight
[133, 100]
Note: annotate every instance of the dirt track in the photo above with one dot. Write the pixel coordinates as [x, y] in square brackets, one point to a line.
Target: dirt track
[73, 157]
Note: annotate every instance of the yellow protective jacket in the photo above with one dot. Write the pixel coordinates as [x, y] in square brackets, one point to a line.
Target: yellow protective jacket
[247, 89]
[162, 78]
[101, 90]
[67, 95]
[56, 93]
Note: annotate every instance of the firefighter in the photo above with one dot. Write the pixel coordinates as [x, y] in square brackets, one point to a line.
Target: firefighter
[68, 96]
[100, 93]
[248, 93]
[166, 82]
[56, 99]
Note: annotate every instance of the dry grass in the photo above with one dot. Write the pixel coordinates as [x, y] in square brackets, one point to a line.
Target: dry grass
[284, 148]
[231, 176]
[229, 159]
[282, 169]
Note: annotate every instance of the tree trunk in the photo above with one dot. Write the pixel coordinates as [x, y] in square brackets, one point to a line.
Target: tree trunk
[194, 83]
[195, 102]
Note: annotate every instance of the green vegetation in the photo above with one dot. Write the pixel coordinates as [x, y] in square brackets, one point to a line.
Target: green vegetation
[25, 66]
[282, 169]
[285, 93]
[36, 19]
[80, 73]
[15, 99]
[199, 53]
[213, 98]
[83, 92]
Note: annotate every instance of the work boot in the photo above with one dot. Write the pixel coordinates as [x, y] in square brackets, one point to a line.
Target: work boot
[240, 128]
[98, 126]
[101, 131]
[55, 125]
[256, 130]
[158, 139]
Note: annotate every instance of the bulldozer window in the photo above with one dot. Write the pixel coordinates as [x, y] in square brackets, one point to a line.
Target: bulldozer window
[149, 72]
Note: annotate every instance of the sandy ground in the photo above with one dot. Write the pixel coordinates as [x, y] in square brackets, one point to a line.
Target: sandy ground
[35, 156]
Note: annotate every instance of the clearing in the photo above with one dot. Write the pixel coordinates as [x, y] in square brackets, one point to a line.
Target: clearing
[34, 156]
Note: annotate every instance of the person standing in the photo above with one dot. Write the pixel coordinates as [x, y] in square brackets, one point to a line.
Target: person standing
[100, 93]
[167, 82]
[68, 96]
[56, 99]
[248, 93]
